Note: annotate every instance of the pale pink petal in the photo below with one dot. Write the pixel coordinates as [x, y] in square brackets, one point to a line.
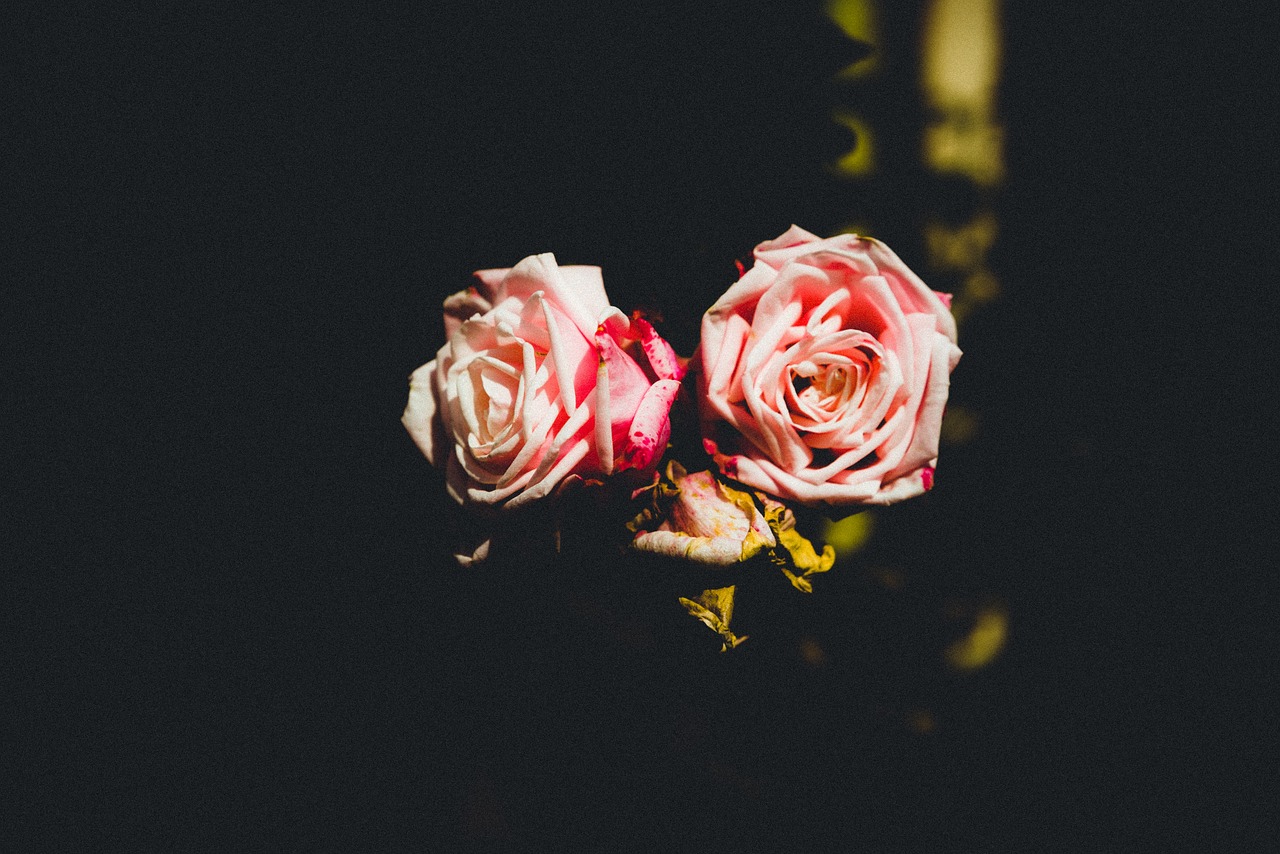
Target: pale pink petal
[489, 283]
[566, 464]
[560, 356]
[710, 551]
[912, 293]
[473, 557]
[800, 287]
[580, 296]
[531, 454]
[920, 357]
[463, 306]
[910, 485]
[580, 423]
[615, 323]
[720, 353]
[604, 426]
[788, 486]
[793, 242]
[421, 417]
[928, 422]
[498, 494]
[584, 286]
[744, 293]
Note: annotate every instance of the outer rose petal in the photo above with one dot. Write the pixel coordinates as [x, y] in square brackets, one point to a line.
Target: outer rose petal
[912, 293]
[490, 281]
[712, 551]
[473, 557]
[910, 485]
[743, 293]
[420, 417]
[461, 307]
[651, 426]
[792, 243]
[662, 357]
[627, 382]
[579, 293]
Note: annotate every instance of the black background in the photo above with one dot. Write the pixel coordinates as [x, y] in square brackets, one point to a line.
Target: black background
[237, 623]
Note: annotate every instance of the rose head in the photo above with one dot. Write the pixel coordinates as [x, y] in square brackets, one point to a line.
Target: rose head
[540, 378]
[707, 522]
[824, 372]
[702, 518]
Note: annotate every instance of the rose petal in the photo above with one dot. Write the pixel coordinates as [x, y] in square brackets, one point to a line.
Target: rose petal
[912, 293]
[627, 382]
[651, 426]
[792, 243]
[463, 306]
[928, 423]
[662, 357]
[710, 551]
[579, 293]
[420, 416]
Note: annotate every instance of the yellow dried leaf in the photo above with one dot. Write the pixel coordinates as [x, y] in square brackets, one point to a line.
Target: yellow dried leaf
[714, 607]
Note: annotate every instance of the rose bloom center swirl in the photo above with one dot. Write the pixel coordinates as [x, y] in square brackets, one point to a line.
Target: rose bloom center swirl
[833, 391]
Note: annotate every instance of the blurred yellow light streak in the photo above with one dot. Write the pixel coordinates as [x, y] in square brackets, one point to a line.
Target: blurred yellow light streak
[857, 19]
[983, 642]
[961, 247]
[860, 159]
[848, 535]
[959, 425]
[812, 653]
[922, 721]
[960, 71]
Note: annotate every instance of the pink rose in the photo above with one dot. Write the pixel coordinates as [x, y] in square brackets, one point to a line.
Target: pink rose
[540, 379]
[824, 373]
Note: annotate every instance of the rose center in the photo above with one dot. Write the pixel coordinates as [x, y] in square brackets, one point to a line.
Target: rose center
[823, 385]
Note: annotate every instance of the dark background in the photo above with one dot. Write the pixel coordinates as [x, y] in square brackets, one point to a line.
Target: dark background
[238, 626]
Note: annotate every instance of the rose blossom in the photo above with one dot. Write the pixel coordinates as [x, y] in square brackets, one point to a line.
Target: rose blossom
[824, 373]
[540, 378]
[702, 518]
[707, 522]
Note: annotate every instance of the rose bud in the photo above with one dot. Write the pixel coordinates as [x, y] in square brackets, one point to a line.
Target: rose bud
[706, 521]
